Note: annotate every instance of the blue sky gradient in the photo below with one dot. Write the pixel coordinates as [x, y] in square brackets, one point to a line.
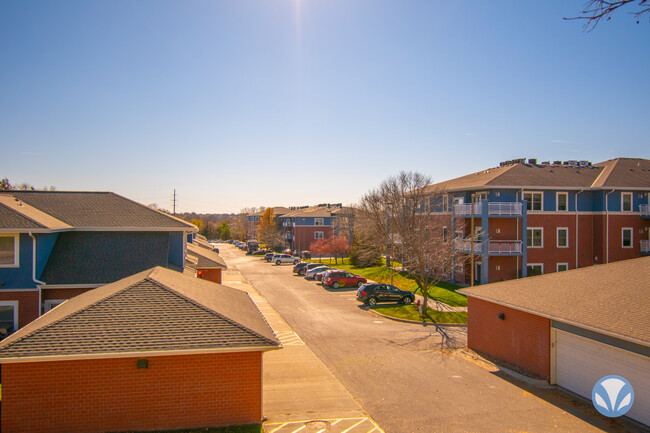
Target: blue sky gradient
[248, 103]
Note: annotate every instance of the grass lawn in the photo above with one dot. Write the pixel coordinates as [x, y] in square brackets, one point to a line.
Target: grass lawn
[410, 312]
[251, 428]
[443, 291]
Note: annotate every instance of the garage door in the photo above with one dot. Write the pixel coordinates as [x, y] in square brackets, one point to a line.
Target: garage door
[580, 362]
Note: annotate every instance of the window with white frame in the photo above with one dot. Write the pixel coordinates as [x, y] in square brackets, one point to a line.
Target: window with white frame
[445, 235]
[562, 267]
[626, 201]
[9, 249]
[52, 303]
[562, 201]
[535, 237]
[319, 221]
[445, 203]
[533, 200]
[8, 317]
[480, 196]
[562, 237]
[459, 200]
[533, 269]
[626, 237]
[319, 235]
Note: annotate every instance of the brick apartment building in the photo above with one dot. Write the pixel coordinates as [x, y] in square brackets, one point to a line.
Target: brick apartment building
[536, 218]
[304, 225]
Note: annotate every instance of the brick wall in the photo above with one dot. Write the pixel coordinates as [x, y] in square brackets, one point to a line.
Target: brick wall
[213, 275]
[304, 235]
[62, 293]
[521, 339]
[175, 392]
[27, 305]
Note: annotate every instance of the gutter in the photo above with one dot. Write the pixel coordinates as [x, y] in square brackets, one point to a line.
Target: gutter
[39, 283]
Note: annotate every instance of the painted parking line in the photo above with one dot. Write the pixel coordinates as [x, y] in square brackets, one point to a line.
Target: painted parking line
[289, 338]
[337, 425]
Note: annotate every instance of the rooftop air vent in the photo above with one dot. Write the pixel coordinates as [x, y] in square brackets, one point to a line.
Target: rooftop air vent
[557, 162]
[532, 161]
[546, 162]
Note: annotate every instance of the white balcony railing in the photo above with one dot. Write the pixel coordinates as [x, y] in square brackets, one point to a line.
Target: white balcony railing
[645, 210]
[465, 246]
[645, 246]
[504, 247]
[466, 209]
[505, 208]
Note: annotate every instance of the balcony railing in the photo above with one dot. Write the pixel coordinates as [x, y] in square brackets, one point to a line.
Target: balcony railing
[505, 208]
[465, 246]
[645, 210]
[645, 246]
[466, 209]
[504, 247]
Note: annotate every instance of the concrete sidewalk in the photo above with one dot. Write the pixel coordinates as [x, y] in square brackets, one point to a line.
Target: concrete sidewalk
[298, 387]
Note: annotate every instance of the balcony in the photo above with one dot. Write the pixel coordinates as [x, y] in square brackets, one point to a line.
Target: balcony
[504, 248]
[289, 237]
[645, 211]
[505, 209]
[465, 246]
[466, 209]
[495, 209]
[645, 247]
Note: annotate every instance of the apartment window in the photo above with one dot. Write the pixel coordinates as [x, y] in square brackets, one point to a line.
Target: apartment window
[319, 235]
[562, 237]
[9, 251]
[459, 200]
[562, 201]
[626, 237]
[52, 303]
[445, 235]
[626, 200]
[562, 267]
[445, 203]
[8, 317]
[535, 237]
[479, 196]
[319, 221]
[533, 200]
[535, 269]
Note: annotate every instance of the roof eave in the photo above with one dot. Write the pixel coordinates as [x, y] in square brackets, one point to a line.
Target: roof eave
[136, 354]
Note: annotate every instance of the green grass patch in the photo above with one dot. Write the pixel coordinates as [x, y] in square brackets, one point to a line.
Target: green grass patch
[442, 292]
[251, 428]
[410, 312]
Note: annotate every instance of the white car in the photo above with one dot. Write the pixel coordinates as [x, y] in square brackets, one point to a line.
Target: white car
[279, 259]
[313, 271]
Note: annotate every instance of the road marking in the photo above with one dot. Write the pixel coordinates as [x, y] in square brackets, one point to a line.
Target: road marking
[337, 425]
[377, 321]
[289, 338]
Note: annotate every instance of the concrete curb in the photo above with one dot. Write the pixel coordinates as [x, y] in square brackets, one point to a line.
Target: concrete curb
[395, 319]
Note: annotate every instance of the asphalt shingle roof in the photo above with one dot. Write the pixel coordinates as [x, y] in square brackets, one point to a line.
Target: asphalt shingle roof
[104, 257]
[97, 210]
[205, 259]
[10, 219]
[158, 310]
[612, 298]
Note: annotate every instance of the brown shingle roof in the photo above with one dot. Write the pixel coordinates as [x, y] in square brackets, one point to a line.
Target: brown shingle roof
[612, 298]
[15, 214]
[620, 172]
[97, 210]
[205, 259]
[155, 311]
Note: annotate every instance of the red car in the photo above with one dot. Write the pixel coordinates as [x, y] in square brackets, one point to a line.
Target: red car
[336, 279]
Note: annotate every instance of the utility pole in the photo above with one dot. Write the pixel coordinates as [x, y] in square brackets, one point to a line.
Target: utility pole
[174, 201]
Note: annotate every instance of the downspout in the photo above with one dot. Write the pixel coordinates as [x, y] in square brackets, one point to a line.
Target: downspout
[607, 224]
[577, 231]
[39, 283]
[523, 246]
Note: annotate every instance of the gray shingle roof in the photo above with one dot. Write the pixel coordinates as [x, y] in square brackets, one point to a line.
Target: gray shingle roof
[104, 257]
[205, 259]
[613, 298]
[158, 310]
[10, 219]
[97, 210]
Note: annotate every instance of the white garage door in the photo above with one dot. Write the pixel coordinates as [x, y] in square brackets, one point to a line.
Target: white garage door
[581, 362]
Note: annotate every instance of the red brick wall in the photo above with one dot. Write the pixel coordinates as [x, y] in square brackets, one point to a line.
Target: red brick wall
[27, 305]
[175, 392]
[521, 339]
[507, 268]
[639, 231]
[304, 235]
[62, 293]
[213, 275]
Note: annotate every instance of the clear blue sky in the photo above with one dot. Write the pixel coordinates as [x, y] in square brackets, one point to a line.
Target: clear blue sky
[278, 102]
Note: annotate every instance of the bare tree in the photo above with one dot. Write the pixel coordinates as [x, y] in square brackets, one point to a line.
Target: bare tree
[595, 10]
[399, 212]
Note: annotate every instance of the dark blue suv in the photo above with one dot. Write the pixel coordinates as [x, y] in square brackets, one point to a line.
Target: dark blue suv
[371, 294]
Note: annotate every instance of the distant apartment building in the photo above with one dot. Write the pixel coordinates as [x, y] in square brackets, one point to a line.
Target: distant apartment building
[255, 219]
[535, 218]
[304, 225]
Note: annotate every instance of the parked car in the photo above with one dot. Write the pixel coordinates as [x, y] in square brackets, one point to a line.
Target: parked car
[313, 271]
[319, 275]
[258, 253]
[371, 294]
[269, 256]
[336, 279]
[279, 259]
[302, 268]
